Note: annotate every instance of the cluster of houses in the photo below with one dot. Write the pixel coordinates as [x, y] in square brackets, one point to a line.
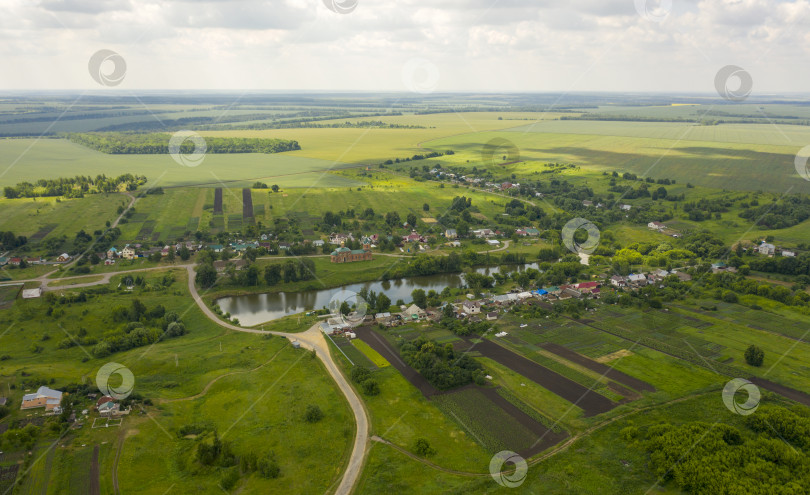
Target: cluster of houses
[487, 308]
[636, 280]
[134, 251]
[770, 250]
[17, 260]
[50, 400]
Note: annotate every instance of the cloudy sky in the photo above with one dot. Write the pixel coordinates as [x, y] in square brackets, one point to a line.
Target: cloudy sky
[444, 45]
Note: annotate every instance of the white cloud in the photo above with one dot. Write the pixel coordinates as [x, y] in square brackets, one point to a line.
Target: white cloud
[521, 45]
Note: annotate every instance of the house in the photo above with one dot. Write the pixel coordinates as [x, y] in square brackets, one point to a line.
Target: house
[318, 243]
[15, 261]
[587, 203]
[128, 253]
[520, 232]
[625, 207]
[683, 277]
[220, 265]
[588, 287]
[455, 244]
[35, 261]
[31, 293]
[532, 232]
[413, 237]
[766, 249]
[340, 239]
[284, 245]
[570, 292]
[44, 397]
[62, 258]
[493, 242]
[382, 317]
[637, 279]
[414, 312]
[450, 233]
[483, 233]
[165, 251]
[3, 260]
[618, 281]
[788, 254]
[217, 248]
[492, 315]
[656, 226]
[109, 261]
[112, 253]
[106, 406]
[471, 307]
[505, 186]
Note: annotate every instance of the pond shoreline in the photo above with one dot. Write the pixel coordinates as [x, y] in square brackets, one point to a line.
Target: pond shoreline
[256, 308]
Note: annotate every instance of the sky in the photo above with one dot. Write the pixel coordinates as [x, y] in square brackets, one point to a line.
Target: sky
[424, 46]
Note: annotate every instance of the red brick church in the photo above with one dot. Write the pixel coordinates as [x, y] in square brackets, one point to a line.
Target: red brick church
[346, 255]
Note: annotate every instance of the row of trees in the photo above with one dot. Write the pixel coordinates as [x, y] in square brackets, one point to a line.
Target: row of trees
[73, 187]
[118, 143]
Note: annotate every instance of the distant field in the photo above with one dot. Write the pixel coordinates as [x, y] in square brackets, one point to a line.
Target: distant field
[31, 159]
[777, 135]
[352, 145]
[720, 165]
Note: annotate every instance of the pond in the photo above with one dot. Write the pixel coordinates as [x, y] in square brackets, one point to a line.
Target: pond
[253, 309]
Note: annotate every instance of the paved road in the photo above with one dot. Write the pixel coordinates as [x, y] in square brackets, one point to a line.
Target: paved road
[313, 339]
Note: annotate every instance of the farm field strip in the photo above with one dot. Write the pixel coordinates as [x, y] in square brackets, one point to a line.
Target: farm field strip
[590, 401]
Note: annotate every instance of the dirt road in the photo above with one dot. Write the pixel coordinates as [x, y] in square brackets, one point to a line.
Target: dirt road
[313, 339]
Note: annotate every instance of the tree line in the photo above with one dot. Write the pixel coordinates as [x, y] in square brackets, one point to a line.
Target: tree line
[73, 187]
[123, 143]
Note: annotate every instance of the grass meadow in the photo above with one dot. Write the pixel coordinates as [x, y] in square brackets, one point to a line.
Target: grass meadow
[252, 389]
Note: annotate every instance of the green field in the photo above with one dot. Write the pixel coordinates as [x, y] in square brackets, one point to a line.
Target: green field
[371, 354]
[253, 390]
[730, 162]
[29, 160]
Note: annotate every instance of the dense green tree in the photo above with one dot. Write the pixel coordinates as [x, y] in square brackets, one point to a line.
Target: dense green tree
[754, 356]
[206, 275]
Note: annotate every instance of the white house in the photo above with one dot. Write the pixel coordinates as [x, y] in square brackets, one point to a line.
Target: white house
[63, 258]
[788, 254]
[451, 233]
[637, 278]
[656, 226]
[626, 207]
[471, 307]
[766, 249]
[493, 242]
[618, 281]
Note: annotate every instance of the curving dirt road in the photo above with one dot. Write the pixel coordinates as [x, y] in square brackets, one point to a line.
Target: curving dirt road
[313, 339]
